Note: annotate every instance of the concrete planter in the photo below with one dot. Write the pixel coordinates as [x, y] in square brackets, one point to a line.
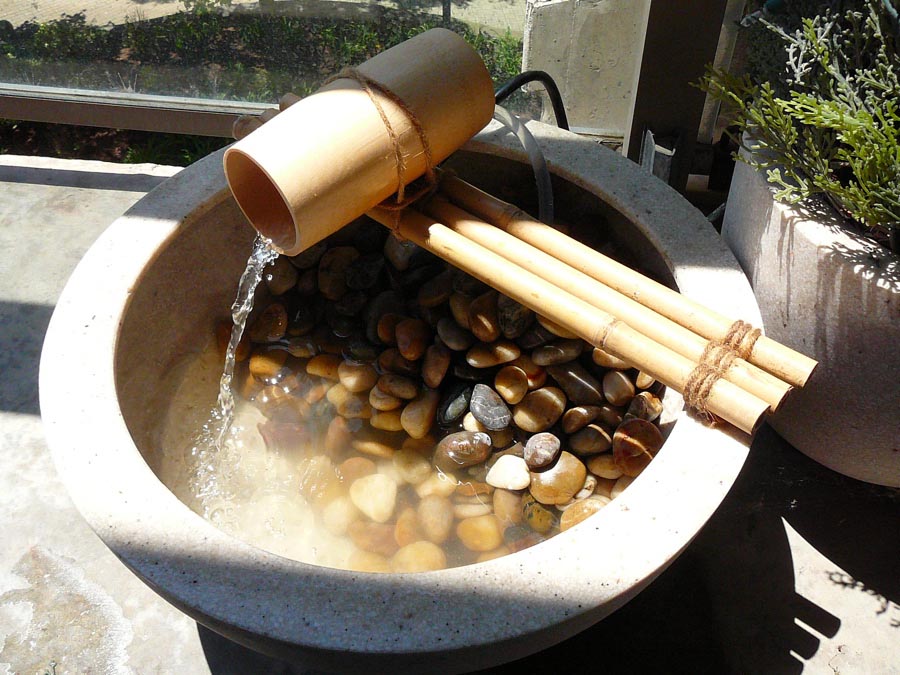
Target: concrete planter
[146, 294]
[836, 297]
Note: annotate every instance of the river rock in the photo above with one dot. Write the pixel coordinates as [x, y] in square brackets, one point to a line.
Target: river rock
[581, 510]
[461, 449]
[618, 387]
[540, 409]
[454, 336]
[419, 556]
[488, 408]
[580, 386]
[579, 417]
[281, 276]
[644, 381]
[590, 440]
[418, 416]
[435, 516]
[375, 496]
[482, 317]
[555, 328]
[373, 537]
[386, 420]
[645, 406]
[607, 360]
[454, 403]
[436, 290]
[413, 337]
[308, 283]
[267, 364]
[541, 450]
[333, 271]
[338, 514]
[412, 466]
[489, 355]
[535, 336]
[537, 375]
[507, 506]
[380, 400]
[558, 483]
[435, 364]
[270, 325]
[392, 361]
[635, 443]
[309, 257]
[557, 352]
[459, 308]
[509, 473]
[514, 317]
[604, 466]
[511, 383]
[398, 385]
[364, 272]
[481, 533]
[357, 377]
[386, 302]
[536, 516]
[400, 253]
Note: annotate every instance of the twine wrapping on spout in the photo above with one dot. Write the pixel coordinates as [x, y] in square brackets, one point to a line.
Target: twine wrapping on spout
[371, 86]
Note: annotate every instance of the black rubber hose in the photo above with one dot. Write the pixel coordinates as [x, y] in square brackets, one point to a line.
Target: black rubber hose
[559, 111]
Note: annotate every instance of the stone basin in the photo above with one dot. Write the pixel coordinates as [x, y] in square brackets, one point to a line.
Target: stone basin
[147, 294]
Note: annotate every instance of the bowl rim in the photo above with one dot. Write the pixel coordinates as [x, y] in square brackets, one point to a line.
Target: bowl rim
[514, 605]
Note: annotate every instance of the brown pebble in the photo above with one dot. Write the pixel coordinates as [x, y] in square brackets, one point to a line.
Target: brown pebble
[579, 417]
[357, 377]
[541, 450]
[618, 387]
[417, 417]
[454, 336]
[560, 351]
[580, 511]
[461, 449]
[635, 443]
[355, 467]
[382, 401]
[281, 276]
[555, 328]
[333, 271]
[590, 440]
[413, 336]
[435, 514]
[436, 290]
[535, 515]
[459, 307]
[386, 420]
[507, 507]
[645, 406]
[347, 403]
[373, 537]
[373, 448]
[604, 466]
[397, 385]
[607, 360]
[339, 435]
[536, 374]
[266, 365]
[270, 325]
[387, 326]
[406, 527]
[435, 365]
[559, 483]
[483, 320]
[392, 361]
[540, 409]
[511, 383]
[419, 556]
[324, 365]
[484, 355]
[481, 533]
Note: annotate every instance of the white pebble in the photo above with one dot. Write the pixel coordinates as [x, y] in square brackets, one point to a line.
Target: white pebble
[509, 473]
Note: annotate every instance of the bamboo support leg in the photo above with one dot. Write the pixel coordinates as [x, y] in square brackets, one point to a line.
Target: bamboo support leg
[726, 400]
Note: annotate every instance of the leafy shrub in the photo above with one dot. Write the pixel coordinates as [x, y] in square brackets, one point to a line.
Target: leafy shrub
[829, 124]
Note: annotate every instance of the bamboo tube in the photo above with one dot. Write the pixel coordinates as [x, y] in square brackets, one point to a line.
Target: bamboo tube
[331, 156]
[642, 319]
[600, 329]
[779, 360]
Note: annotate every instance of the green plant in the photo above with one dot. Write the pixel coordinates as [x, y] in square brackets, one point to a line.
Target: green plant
[830, 125]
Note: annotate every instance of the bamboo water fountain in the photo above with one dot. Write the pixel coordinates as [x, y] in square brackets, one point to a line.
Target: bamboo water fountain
[359, 144]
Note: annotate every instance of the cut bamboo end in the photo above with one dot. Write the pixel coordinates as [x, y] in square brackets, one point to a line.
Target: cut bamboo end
[640, 318]
[731, 403]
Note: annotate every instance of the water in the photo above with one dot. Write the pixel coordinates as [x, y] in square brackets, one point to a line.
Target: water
[262, 255]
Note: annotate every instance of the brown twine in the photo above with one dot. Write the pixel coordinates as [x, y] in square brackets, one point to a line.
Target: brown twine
[716, 359]
[402, 200]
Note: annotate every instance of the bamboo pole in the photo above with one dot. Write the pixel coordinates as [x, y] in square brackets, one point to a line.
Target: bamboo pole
[599, 328]
[642, 319]
[779, 360]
